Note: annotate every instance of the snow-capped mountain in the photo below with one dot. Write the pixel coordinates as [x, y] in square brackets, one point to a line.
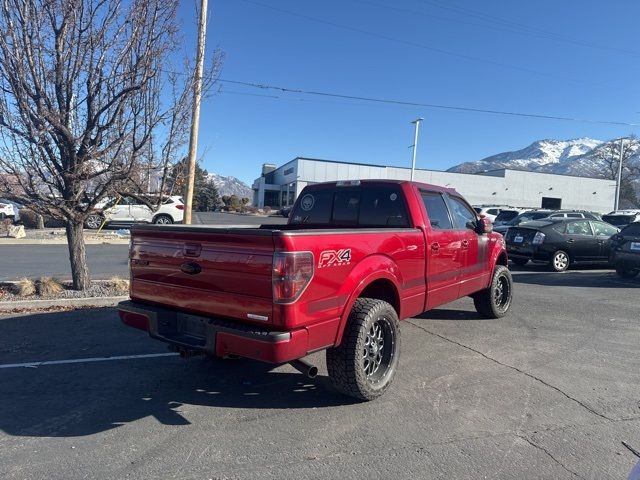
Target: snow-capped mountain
[550, 156]
[231, 186]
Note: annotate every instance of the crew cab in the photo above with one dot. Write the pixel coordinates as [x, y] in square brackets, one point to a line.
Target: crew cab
[354, 258]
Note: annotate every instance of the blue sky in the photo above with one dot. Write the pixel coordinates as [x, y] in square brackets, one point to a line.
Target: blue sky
[574, 58]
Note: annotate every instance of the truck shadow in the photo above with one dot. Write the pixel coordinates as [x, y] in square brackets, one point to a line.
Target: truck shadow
[79, 399]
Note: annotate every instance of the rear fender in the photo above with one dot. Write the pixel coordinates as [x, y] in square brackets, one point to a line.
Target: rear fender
[372, 268]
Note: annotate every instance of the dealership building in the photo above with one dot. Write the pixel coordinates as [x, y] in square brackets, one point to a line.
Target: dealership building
[280, 186]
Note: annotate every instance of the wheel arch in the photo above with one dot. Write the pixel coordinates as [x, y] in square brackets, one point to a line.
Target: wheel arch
[381, 286]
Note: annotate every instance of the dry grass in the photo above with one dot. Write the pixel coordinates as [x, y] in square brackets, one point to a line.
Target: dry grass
[48, 286]
[119, 284]
[25, 287]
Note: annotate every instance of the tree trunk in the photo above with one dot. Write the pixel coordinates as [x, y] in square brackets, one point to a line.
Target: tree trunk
[78, 255]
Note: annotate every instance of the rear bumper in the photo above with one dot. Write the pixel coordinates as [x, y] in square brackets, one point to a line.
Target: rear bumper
[627, 259]
[215, 336]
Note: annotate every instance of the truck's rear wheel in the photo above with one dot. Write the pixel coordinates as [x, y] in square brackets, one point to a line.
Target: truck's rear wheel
[365, 362]
[494, 302]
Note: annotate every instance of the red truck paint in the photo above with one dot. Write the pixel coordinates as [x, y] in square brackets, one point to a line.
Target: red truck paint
[220, 283]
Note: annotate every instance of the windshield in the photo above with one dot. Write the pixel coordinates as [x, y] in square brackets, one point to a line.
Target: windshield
[527, 217]
[506, 215]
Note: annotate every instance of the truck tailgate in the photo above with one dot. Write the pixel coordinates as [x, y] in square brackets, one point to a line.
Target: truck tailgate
[204, 270]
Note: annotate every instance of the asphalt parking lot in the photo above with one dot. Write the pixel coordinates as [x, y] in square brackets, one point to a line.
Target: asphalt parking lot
[550, 391]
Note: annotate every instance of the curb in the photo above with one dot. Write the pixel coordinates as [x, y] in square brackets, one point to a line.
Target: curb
[62, 303]
[61, 241]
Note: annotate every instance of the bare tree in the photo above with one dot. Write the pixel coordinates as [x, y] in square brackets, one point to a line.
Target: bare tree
[81, 89]
[608, 157]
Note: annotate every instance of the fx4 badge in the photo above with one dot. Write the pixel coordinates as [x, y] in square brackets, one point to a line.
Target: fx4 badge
[335, 258]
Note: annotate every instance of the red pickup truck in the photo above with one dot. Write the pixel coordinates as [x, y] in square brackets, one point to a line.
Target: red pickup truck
[354, 258]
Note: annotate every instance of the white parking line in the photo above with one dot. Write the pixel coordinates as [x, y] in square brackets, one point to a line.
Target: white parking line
[85, 360]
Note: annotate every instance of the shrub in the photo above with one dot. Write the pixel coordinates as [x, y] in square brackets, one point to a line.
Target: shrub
[121, 285]
[25, 287]
[48, 286]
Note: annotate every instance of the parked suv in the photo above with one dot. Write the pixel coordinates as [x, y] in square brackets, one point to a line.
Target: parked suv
[621, 218]
[540, 214]
[489, 211]
[508, 214]
[625, 251]
[129, 209]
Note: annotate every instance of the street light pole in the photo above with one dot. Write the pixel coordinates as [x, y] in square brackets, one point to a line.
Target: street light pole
[416, 122]
[619, 178]
[195, 112]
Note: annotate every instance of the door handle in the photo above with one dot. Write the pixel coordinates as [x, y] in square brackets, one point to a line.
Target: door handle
[435, 247]
[465, 243]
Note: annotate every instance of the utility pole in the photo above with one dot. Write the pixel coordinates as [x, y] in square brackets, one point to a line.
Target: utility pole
[195, 113]
[416, 122]
[619, 178]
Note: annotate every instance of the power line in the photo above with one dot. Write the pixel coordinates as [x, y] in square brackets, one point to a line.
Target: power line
[423, 46]
[498, 24]
[264, 86]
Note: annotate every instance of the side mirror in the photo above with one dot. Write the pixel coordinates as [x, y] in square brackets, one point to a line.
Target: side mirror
[483, 225]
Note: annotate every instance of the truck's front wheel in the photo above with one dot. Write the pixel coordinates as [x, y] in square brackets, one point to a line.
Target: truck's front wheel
[365, 362]
[494, 302]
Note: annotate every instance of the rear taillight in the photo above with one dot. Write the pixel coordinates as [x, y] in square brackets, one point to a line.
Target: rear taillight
[538, 239]
[179, 206]
[292, 272]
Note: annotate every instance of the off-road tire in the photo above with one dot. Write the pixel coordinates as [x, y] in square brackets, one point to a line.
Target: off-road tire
[349, 362]
[163, 219]
[520, 261]
[495, 301]
[560, 261]
[627, 272]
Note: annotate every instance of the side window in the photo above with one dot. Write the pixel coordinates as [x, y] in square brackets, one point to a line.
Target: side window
[602, 229]
[461, 214]
[575, 215]
[560, 227]
[579, 228]
[437, 211]
[557, 215]
[493, 211]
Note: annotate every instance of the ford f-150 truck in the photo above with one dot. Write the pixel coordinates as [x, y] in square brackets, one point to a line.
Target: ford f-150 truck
[354, 258]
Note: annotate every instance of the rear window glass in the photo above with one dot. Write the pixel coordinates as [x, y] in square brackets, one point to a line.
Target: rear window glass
[560, 227]
[506, 215]
[367, 206]
[618, 220]
[632, 229]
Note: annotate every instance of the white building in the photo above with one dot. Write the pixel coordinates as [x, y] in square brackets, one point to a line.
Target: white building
[278, 187]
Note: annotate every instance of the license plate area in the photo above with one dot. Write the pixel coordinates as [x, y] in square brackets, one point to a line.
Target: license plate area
[192, 326]
[518, 239]
[635, 246]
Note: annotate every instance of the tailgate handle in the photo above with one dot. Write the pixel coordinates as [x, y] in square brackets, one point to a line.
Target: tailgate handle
[191, 268]
[192, 249]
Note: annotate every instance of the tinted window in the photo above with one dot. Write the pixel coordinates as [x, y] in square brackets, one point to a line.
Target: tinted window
[560, 227]
[602, 229]
[575, 215]
[633, 229]
[579, 228]
[618, 220]
[346, 207]
[314, 207]
[371, 206]
[437, 211]
[383, 207]
[506, 215]
[461, 213]
[527, 217]
[493, 211]
[477, 209]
